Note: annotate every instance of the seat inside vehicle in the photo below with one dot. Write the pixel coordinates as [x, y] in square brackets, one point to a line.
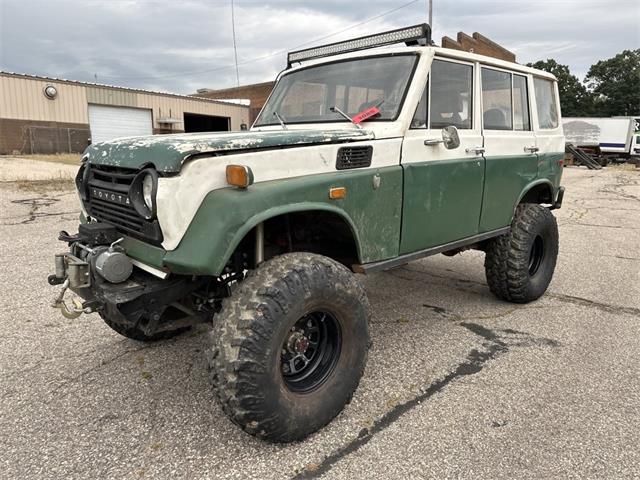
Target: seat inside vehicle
[495, 119]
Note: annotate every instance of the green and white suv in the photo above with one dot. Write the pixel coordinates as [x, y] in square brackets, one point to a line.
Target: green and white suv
[366, 156]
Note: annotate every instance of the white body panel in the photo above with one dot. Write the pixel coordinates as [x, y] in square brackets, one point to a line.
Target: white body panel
[611, 135]
[414, 149]
[513, 142]
[107, 122]
[180, 197]
[547, 140]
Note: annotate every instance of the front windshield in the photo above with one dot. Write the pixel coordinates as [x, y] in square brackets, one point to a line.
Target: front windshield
[307, 95]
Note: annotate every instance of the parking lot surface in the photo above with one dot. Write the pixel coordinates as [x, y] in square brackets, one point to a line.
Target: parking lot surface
[458, 383]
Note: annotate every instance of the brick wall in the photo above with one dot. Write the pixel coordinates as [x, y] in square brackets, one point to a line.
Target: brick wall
[30, 136]
[257, 94]
[478, 44]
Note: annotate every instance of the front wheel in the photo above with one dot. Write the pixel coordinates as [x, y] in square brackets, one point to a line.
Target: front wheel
[136, 333]
[290, 346]
[520, 264]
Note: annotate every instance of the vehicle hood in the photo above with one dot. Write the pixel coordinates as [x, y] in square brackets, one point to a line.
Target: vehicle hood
[168, 152]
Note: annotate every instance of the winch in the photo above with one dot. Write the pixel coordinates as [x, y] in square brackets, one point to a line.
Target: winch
[94, 249]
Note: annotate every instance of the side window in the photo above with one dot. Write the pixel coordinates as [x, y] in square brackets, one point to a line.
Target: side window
[449, 91]
[545, 103]
[520, 104]
[496, 100]
[449, 86]
[420, 117]
[451, 98]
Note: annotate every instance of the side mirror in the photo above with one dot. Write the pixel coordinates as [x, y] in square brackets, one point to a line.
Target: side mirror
[450, 137]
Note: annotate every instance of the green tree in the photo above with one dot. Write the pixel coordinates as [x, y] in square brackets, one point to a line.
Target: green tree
[575, 99]
[616, 84]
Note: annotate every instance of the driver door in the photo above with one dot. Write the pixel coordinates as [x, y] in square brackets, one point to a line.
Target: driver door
[442, 196]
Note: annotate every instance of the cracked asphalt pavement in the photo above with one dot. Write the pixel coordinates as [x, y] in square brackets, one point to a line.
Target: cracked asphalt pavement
[458, 384]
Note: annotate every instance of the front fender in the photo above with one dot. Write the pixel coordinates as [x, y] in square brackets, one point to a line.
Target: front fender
[227, 215]
[292, 208]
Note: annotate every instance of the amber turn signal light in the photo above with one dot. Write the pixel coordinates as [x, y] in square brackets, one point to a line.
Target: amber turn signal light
[239, 176]
[337, 192]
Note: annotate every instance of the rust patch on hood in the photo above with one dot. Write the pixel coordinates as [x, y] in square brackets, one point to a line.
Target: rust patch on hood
[168, 152]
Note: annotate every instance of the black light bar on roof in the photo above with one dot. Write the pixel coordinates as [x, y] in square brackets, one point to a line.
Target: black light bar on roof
[415, 35]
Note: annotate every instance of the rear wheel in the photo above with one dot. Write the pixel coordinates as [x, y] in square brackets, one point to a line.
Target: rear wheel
[290, 346]
[519, 265]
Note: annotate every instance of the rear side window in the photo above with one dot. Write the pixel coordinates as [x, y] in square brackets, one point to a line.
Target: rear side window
[545, 103]
[520, 104]
[496, 100]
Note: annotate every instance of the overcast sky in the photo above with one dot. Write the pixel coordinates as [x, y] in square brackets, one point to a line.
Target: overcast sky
[180, 46]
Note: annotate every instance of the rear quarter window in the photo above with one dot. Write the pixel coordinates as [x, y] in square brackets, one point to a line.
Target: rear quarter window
[545, 103]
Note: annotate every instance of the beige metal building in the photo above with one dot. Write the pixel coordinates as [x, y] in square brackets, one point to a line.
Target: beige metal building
[48, 115]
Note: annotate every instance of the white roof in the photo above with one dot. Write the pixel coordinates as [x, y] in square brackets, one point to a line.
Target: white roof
[444, 52]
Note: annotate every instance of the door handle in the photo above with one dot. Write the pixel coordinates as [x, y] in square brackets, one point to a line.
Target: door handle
[531, 149]
[476, 150]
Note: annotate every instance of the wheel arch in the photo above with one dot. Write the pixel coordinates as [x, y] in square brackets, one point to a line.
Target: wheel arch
[539, 191]
[247, 229]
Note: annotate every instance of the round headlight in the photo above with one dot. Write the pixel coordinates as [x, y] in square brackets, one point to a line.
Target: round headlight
[143, 193]
[147, 190]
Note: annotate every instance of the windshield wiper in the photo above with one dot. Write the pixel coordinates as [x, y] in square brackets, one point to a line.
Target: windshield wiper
[340, 112]
[282, 124]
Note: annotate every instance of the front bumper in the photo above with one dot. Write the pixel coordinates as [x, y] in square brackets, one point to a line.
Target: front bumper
[146, 293]
[142, 295]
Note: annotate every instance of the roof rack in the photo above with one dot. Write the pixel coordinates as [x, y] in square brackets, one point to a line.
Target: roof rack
[415, 35]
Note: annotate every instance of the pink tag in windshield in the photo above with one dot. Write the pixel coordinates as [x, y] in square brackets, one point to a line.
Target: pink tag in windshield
[368, 113]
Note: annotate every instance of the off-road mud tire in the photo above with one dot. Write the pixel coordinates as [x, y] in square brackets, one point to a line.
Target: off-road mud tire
[135, 333]
[247, 338]
[507, 262]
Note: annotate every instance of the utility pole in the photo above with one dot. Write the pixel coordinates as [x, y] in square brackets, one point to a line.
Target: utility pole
[430, 13]
[235, 47]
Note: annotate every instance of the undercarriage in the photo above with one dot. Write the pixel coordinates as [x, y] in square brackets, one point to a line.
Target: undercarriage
[112, 284]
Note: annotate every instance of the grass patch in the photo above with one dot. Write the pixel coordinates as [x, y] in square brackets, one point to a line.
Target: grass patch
[49, 185]
[65, 158]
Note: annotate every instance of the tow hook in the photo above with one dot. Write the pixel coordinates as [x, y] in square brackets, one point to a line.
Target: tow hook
[69, 312]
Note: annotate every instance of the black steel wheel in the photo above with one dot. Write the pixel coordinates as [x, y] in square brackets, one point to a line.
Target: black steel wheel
[289, 347]
[310, 351]
[536, 255]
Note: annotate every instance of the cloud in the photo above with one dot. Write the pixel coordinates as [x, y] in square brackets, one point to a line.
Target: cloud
[181, 46]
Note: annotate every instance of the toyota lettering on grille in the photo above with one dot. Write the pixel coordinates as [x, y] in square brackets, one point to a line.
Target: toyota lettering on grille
[110, 196]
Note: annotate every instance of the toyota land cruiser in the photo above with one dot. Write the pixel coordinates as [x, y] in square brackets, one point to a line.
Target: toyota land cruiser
[367, 155]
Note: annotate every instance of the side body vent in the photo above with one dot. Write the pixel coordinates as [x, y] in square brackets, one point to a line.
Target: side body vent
[354, 157]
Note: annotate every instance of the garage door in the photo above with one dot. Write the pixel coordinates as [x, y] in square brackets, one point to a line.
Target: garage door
[107, 123]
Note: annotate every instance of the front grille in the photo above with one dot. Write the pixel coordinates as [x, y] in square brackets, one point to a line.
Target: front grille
[108, 201]
[354, 157]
